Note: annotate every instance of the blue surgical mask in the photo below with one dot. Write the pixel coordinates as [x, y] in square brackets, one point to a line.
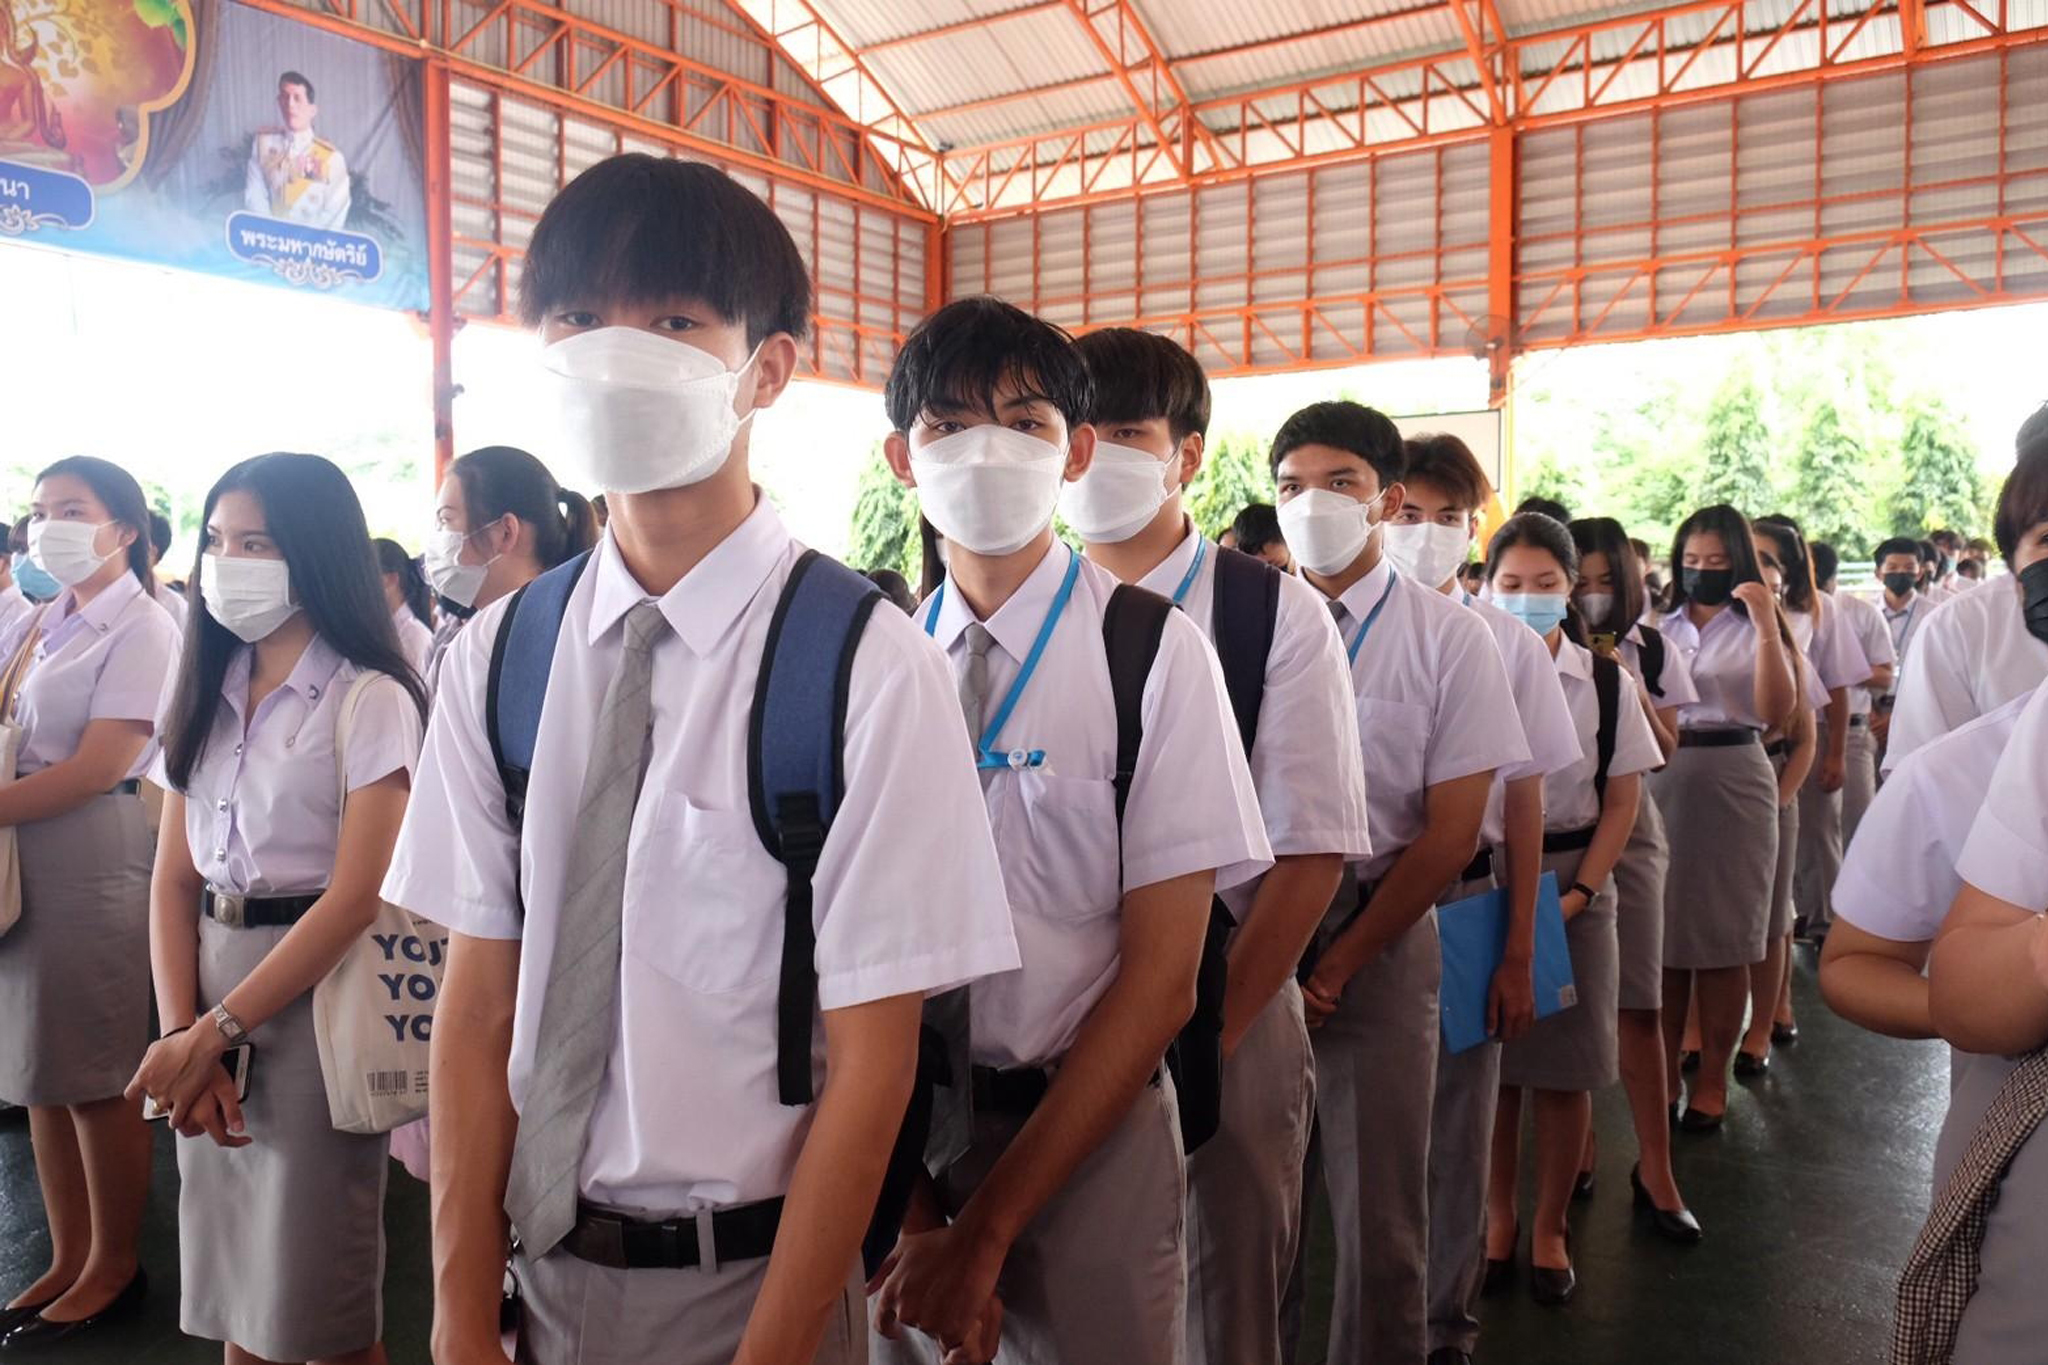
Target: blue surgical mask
[1541, 612]
[35, 583]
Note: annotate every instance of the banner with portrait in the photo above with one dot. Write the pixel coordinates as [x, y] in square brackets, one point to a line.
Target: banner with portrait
[206, 135]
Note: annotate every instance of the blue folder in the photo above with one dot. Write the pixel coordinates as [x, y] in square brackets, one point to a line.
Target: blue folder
[1475, 938]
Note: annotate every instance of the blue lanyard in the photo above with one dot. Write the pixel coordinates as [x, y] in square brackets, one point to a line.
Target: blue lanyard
[985, 756]
[1358, 641]
[1180, 594]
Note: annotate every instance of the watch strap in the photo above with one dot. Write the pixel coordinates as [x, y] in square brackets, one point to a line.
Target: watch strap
[1584, 890]
[229, 1026]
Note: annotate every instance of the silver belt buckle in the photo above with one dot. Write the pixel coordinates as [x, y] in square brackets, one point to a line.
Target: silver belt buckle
[230, 911]
[707, 1243]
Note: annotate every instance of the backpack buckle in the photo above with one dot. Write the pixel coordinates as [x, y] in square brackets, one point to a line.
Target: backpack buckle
[799, 828]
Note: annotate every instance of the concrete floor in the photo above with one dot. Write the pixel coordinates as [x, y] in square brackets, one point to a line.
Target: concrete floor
[1811, 1196]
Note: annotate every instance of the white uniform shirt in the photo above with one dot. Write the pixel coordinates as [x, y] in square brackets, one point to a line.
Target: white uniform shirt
[908, 895]
[1434, 704]
[1569, 800]
[1305, 761]
[1862, 621]
[1899, 875]
[1969, 656]
[172, 601]
[115, 660]
[1903, 625]
[2007, 851]
[413, 638]
[1811, 685]
[1831, 646]
[1675, 687]
[1191, 806]
[263, 808]
[1539, 704]
[14, 605]
[1722, 661]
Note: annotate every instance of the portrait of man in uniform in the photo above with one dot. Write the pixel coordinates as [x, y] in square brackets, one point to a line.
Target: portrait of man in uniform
[293, 174]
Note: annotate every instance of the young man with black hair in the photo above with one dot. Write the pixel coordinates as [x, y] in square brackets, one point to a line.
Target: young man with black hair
[1436, 721]
[1151, 414]
[1061, 1209]
[615, 1041]
[1256, 532]
[1443, 493]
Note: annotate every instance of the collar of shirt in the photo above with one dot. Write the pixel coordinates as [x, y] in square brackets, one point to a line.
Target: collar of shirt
[711, 597]
[1361, 597]
[1016, 623]
[1171, 570]
[98, 614]
[312, 674]
[1574, 661]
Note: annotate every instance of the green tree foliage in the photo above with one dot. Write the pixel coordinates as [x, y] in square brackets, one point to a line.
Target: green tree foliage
[1735, 451]
[1234, 474]
[1552, 479]
[1831, 483]
[1941, 487]
[884, 521]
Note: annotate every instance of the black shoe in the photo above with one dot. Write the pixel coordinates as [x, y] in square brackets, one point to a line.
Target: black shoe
[1680, 1227]
[39, 1333]
[1582, 1188]
[1688, 1062]
[11, 1318]
[1782, 1034]
[1700, 1121]
[1449, 1355]
[1750, 1065]
[1677, 1112]
[1552, 1288]
[1500, 1274]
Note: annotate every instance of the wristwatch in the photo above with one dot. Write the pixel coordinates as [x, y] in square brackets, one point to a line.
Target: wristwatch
[229, 1026]
[1584, 890]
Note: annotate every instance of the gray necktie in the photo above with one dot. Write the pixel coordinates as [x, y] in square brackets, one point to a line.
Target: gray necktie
[1347, 884]
[948, 1015]
[579, 1004]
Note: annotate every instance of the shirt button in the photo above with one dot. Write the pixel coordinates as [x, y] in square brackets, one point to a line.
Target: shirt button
[289, 742]
[313, 693]
[220, 855]
[238, 751]
[223, 805]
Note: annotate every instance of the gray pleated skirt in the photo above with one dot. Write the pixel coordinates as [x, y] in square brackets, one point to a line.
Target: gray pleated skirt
[1720, 808]
[1575, 1049]
[282, 1240]
[1639, 909]
[1787, 865]
[74, 970]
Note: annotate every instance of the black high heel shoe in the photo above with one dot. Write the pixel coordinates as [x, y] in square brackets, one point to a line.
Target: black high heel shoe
[1750, 1065]
[1700, 1121]
[1680, 1227]
[1553, 1288]
[1782, 1034]
[40, 1334]
[1501, 1274]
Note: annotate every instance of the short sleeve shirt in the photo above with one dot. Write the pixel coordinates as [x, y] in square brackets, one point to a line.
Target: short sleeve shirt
[2006, 854]
[1721, 657]
[1569, 799]
[1674, 687]
[1967, 656]
[1863, 621]
[115, 659]
[1540, 705]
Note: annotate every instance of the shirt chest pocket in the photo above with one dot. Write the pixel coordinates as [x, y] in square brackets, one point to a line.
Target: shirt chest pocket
[1395, 737]
[1058, 841]
[704, 901]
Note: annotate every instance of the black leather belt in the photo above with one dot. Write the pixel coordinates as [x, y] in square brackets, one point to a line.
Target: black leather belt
[1778, 748]
[1015, 1092]
[709, 1239]
[1568, 840]
[1716, 739]
[257, 912]
[1480, 868]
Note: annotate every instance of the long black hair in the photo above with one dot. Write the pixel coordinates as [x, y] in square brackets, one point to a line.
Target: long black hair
[1796, 559]
[1736, 537]
[1606, 536]
[500, 479]
[313, 515]
[118, 492]
[412, 584]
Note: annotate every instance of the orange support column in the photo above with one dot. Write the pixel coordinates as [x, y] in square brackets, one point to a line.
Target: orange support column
[441, 320]
[1500, 287]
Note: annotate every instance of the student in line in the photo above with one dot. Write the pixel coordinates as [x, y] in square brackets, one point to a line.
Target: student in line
[85, 679]
[500, 522]
[1608, 596]
[14, 603]
[605, 1063]
[409, 600]
[1589, 810]
[1897, 564]
[33, 580]
[1067, 1205]
[1436, 721]
[1257, 533]
[1150, 412]
[1719, 794]
[1865, 623]
[168, 597]
[1443, 493]
[294, 689]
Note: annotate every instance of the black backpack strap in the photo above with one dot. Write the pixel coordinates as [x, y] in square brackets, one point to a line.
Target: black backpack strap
[796, 774]
[1132, 626]
[1651, 654]
[516, 687]
[1245, 612]
[1607, 688]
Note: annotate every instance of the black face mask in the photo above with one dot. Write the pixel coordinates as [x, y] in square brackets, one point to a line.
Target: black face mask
[2034, 598]
[1708, 587]
[1901, 584]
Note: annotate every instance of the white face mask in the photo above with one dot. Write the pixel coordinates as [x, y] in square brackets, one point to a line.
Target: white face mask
[251, 597]
[1596, 606]
[989, 489]
[1122, 491]
[638, 412]
[1326, 531]
[458, 582]
[1427, 552]
[65, 549]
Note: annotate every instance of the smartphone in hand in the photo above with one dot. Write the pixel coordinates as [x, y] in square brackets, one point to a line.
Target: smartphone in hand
[236, 1061]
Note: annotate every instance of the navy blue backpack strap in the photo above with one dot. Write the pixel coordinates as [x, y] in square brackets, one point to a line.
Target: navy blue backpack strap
[796, 771]
[522, 656]
[1244, 615]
